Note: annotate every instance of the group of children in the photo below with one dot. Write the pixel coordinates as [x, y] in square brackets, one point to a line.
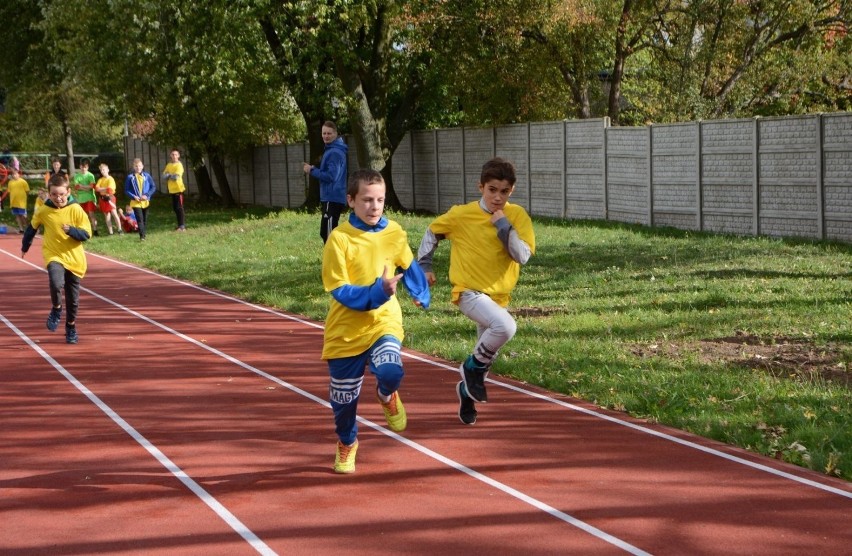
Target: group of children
[490, 239]
[91, 195]
[363, 261]
[66, 211]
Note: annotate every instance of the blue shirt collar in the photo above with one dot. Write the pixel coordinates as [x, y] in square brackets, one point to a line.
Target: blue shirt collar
[361, 225]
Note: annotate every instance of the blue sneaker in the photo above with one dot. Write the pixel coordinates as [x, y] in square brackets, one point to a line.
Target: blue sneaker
[53, 319]
[467, 408]
[71, 335]
[474, 379]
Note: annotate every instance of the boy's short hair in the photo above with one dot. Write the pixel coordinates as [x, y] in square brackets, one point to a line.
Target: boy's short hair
[498, 169]
[332, 125]
[58, 180]
[84, 162]
[366, 177]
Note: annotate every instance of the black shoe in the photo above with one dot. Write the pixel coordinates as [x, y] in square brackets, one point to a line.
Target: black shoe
[71, 335]
[467, 408]
[474, 379]
[53, 319]
[97, 234]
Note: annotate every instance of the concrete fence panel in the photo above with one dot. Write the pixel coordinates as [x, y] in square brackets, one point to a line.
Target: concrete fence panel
[837, 176]
[785, 177]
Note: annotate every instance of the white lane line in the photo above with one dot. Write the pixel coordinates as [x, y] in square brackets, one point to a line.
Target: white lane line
[163, 460]
[573, 407]
[590, 529]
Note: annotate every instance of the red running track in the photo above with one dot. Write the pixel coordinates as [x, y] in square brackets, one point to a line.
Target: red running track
[188, 422]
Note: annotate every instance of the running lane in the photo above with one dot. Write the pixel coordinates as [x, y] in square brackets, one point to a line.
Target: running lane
[186, 422]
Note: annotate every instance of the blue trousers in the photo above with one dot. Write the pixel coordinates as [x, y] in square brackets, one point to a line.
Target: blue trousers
[347, 377]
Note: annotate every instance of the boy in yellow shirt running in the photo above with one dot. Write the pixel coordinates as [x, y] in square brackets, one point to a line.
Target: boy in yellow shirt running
[66, 228]
[364, 323]
[490, 239]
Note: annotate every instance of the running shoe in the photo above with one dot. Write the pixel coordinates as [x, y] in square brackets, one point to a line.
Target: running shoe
[71, 335]
[474, 379]
[394, 412]
[344, 460]
[467, 408]
[53, 318]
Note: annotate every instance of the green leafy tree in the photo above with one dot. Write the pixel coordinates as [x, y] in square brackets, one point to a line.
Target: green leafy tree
[741, 58]
[52, 100]
[198, 72]
[350, 54]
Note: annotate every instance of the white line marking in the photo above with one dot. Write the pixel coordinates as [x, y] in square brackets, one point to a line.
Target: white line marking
[172, 468]
[426, 451]
[573, 407]
[590, 529]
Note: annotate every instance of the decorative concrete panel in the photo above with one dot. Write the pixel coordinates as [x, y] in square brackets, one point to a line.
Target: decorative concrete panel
[790, 198]
[795, 131]
[788, 227]
[788, 167]
[728, 224]
[731, 197]
[732, 135]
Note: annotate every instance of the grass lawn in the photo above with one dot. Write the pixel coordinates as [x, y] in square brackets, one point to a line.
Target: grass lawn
[743, 340]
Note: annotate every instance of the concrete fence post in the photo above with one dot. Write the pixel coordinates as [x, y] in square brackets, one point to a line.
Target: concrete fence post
[650, 174]
[699, 188]
[755, 165]
[820, 177]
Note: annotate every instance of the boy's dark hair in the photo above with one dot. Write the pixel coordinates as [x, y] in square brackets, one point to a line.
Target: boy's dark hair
[358, 177]
[84, 162]
[497, 169]
[332, 125]
[58, 180]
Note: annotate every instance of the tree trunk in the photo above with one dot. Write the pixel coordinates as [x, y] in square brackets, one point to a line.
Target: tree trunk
[367, 134]
[69, 148]
[316, 148]
[222, 178]
[614, 101]
[309, 105]
[391, 199]
[365, 127]
[202, 177]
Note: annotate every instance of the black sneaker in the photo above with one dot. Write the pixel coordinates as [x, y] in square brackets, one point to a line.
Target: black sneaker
[467, 408]
[71, 335]
[474, 379]
[53, 319]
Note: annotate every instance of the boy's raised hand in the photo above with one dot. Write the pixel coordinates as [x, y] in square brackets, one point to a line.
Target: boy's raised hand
[389, 284]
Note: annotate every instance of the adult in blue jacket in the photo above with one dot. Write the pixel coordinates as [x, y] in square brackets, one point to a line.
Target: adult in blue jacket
[332, 174]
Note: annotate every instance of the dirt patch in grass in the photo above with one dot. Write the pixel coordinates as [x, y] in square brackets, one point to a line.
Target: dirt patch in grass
[793, 358]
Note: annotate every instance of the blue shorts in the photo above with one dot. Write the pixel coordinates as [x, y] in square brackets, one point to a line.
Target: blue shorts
[19, 212]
